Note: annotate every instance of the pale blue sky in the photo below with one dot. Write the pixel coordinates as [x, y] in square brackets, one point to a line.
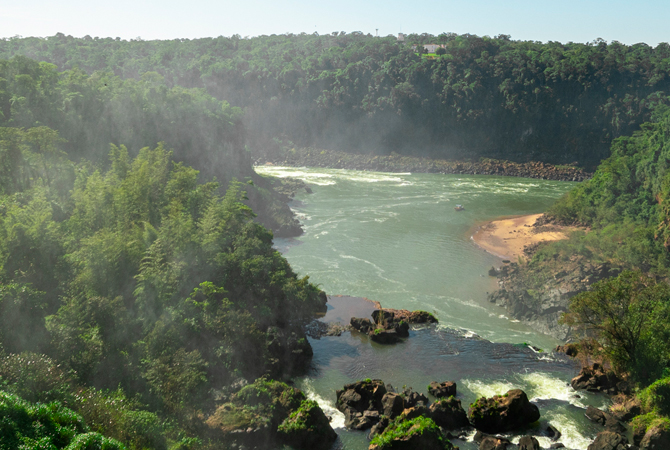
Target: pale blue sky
[570, 20]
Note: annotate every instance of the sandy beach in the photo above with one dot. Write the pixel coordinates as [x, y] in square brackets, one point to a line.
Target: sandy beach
[507, 238]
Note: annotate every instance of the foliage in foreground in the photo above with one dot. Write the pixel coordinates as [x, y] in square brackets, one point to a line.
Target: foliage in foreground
[134, 294]
[39, 426]
[630, 316]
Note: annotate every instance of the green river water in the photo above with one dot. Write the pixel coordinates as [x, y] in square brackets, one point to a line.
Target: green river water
[396, 238]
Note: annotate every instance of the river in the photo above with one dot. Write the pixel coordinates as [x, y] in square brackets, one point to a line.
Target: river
[396, 238]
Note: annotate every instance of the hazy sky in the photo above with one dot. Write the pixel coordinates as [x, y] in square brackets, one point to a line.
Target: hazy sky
[539, 20]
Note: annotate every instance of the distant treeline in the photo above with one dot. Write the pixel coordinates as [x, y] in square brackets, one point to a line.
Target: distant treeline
[492, 97]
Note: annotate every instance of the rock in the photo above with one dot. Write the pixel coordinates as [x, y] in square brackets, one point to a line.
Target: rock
[626, 410]
[356, 420]
[553, 433]
[493, 272]
[528, 443]
[449, 414]
[379, 427]
[414, 412]
[392, 405]
[603, 418]
[494, 443]
[362, 325]
[503, 413]
[402, 328]
[595, 415]
[595, 379]
[361, 396]
[413, 398]
[568, 349]
[385, 336]
[608, 440]
[445, 389]
[307, 428]
[656, 438]
[556, 445]
[420, 433]
[421, 317]
[383, 317]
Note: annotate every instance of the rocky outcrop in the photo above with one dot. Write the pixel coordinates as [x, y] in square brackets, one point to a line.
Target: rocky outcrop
[444, 389]
[596, 379]
[502, 413]
[280, 414]
[411, 434]
[609, 440]
[389, 326]
[626, 409]
[307, 428]
[542, 306]
[528, 443]
[413, 398]
[392, 405]
[656, 438]
[449, 414]
[361, 403]
[605, 419]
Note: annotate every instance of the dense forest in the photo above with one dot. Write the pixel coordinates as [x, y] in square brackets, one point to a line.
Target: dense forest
[492, 97]
[92, 112]
[135, 289]
[139, 287]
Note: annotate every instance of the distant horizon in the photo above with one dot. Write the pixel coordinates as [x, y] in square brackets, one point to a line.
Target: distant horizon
[142, 39]
[582, 21]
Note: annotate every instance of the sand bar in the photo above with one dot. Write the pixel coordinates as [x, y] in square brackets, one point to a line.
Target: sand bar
[506, 238]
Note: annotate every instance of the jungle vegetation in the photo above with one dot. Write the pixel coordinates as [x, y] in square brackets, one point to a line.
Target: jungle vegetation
[484, 97]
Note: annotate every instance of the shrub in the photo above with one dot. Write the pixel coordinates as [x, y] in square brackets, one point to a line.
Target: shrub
[35, 378]
[656, 397]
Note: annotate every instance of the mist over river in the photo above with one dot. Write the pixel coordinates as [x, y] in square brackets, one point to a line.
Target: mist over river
[396, 238]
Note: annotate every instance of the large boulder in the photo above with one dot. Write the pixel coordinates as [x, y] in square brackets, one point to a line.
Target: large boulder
[449, 414]
[253, 414]
[528, 443]
[609, 440]
[595, 379]
[361, 396]
[307, 428]
[361, 403]
[656, 438]
[444, 389]
[418, 433]
[392, 405]
[502, 413]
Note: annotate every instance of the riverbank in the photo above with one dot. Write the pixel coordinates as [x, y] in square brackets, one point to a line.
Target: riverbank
[510, 238]
[311, 157]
